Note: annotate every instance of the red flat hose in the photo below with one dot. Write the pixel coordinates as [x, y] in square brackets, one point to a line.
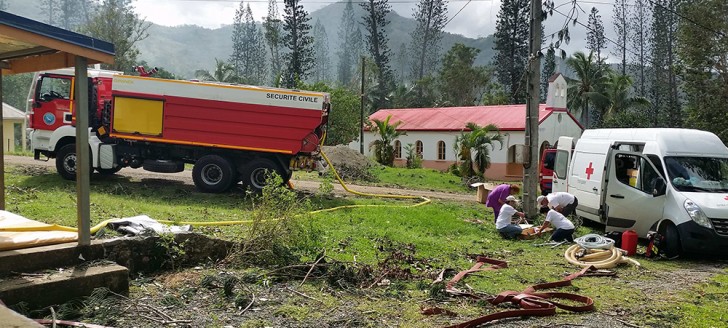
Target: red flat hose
[529, 300]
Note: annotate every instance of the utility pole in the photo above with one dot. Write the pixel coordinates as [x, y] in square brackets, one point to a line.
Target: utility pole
[530, 165]
[361, 127]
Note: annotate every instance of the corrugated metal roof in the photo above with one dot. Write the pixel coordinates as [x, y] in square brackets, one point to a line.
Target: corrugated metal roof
[30, 46]
[29, 25]
[10, 112]
[505, 117]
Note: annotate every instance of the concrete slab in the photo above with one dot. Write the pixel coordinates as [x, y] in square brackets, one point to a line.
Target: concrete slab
[56, 287]
[45, 257]
[138, 254]
[11, 319]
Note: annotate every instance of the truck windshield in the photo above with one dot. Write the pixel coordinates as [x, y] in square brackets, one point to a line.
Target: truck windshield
[707, 174]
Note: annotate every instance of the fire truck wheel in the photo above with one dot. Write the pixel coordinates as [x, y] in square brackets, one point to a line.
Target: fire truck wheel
[213, 173]
[66, 161]
[256, 173]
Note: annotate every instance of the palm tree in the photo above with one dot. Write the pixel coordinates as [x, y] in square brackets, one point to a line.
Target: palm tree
[383, 149]
[477, 142]
[590, 77]
[615, 96]
[224, 72]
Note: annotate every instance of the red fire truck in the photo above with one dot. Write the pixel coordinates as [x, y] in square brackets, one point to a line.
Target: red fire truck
[231, 133]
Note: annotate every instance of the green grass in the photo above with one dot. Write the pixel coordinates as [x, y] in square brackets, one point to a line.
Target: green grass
[437, 236]
[399, 177]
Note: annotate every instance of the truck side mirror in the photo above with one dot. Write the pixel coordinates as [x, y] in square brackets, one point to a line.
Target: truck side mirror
[659, 188]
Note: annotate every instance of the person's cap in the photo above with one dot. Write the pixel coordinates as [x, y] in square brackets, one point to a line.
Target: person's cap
[511, 199]
[540, 199]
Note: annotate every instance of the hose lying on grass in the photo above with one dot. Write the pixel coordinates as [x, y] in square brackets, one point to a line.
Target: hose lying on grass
[597, 251]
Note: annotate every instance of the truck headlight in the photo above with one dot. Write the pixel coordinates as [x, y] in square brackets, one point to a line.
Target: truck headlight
[697, 214]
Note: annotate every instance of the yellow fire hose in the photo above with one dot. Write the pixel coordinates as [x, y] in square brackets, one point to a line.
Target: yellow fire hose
[599, 258]
[96, 228]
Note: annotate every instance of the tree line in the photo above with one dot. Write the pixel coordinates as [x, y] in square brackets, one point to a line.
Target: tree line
[670, 59]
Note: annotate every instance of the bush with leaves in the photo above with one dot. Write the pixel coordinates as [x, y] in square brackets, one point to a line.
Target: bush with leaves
[383, 149]
[414, 160]
[280, 231]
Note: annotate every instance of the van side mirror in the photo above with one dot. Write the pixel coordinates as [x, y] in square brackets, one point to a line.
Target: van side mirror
[659, 188]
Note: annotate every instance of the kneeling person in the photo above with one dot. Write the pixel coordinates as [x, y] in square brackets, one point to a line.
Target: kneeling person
[503, 222]
[564, 227]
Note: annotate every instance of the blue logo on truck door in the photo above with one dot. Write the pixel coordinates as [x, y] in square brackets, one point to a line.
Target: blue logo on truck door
[49, 118]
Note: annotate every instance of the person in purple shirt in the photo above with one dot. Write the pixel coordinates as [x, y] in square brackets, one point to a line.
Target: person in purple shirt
[497, 197]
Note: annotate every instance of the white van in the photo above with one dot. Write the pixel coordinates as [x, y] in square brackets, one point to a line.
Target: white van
[674, 181]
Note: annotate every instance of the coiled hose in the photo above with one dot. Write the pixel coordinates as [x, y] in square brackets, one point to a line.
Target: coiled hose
[597, 251]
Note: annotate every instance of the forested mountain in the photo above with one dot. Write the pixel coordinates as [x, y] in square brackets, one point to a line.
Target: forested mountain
[184, 49]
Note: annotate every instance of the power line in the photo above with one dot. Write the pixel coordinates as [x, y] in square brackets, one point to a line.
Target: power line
[619, 46]
[687, 19]
[456, 14]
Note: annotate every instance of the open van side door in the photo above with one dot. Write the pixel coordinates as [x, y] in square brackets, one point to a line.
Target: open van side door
[561, 164]
[630, 197]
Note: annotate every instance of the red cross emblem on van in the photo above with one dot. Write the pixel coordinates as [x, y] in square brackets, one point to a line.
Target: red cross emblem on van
[590, 170]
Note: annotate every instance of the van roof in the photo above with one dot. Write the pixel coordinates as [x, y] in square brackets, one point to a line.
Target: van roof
[670, 141]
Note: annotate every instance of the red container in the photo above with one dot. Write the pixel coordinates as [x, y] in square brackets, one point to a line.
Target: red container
[629, 242]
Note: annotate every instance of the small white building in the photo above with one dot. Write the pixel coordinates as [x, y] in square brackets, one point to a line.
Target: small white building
[432, 131]
[13, 128]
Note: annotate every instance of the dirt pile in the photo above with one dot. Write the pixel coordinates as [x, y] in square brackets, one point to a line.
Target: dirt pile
[350, 164]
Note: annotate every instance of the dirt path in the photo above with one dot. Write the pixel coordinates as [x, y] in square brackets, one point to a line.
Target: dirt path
[309, 186]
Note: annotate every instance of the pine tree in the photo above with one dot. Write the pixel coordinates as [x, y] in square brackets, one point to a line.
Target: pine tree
[549, 69]
[595, 36]
[71, 13]
[640, 23]
[299, 58]
[50, 10]
[664, 91]
[321, 52]
[706, 81]
[459, 79]
[248, 47]
[346, 52]
[375, 22]
[237, 59]
[431, 16]
[511, 46]
[622, 28]
[260, 60]
[402, 57]
[115, 21]
[273, 34]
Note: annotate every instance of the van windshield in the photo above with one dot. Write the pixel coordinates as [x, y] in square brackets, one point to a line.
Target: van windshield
[707, 174]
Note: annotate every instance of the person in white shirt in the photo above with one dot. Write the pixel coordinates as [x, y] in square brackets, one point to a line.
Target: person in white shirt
[564, 227]
[564, 202]
[503, 222]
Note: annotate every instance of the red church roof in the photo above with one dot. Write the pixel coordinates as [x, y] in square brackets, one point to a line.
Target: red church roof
[505, 117]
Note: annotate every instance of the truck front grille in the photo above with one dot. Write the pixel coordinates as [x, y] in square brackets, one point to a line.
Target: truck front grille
[720, 226]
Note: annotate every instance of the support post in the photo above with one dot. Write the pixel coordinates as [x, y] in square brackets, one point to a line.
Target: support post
[530, 176]
[83, 173]
[361, 128]
[2, 151]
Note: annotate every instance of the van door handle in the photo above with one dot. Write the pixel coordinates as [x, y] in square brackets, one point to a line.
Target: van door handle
[617, 196]
[595, 189]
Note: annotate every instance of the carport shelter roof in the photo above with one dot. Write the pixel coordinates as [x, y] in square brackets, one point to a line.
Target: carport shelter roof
[29, 46]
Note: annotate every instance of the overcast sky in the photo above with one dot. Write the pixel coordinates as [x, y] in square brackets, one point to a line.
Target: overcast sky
[477, 19]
